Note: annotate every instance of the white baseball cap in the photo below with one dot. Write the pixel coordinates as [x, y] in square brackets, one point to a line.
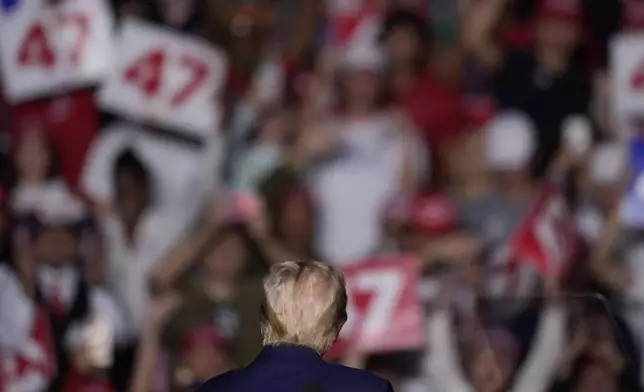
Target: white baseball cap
[59, 206]
[607, 163]
[363, 52]
[509, 141]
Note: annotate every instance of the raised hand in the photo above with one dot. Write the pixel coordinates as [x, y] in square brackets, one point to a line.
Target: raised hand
[161, 308]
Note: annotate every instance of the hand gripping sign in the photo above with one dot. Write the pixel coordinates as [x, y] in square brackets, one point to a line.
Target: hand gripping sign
[166, 78]
[47, 48]
[547, 238]
[384, 312]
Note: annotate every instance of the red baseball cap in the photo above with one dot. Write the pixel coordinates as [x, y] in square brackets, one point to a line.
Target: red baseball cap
[433, 214]
[561, 10]
[201, 336]
[478, 110]
[633, 14]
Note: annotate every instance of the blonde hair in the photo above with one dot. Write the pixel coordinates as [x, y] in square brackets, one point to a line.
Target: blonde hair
[305, 305]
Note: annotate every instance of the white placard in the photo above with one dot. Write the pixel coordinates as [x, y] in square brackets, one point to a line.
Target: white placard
[627, 74]
[48, 48]
[181, 175]
[166, 78]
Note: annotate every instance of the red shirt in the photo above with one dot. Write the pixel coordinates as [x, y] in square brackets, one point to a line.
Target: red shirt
[72, 121]
[437, 112]
[76, 382]
[519, 36]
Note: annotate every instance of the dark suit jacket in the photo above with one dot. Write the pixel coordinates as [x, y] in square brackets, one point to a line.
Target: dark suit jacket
[295, 369]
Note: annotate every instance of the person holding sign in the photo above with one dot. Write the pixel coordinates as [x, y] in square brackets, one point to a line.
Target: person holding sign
[304, 311]
[52, 55]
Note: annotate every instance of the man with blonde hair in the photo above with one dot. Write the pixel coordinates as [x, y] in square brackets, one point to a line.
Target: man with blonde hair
[303, 312]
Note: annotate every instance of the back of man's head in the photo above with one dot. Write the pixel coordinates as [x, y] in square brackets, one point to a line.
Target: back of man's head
[305, 305]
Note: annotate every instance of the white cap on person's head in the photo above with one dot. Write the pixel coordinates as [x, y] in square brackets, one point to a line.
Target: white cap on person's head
[509, 142]
[363, 52]
[59, 207]
[607, 164]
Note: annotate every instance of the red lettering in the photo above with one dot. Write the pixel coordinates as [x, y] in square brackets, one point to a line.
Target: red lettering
[36, 48]
[147, 72]
[198, 72]
[80, 22]
[637, 80]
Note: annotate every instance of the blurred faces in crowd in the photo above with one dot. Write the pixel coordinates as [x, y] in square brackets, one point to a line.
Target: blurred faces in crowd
[202, 357]
[33, 157]
[176, 13]
[56, 217]
[55, 245]
[361, 83]
[228, 257]
[509, 148]
[133, 187]
[406, 38]
[601, 362]
[558, 25]
[293, 225]
[494, 360]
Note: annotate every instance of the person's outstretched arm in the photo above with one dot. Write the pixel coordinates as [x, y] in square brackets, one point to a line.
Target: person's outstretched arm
[149, 349]
[550, 341]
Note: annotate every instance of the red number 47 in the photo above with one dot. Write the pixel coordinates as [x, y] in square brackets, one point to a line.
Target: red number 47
[36, 48]
[146, 73]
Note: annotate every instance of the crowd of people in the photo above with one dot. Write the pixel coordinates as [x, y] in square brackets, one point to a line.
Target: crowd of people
[477, 141]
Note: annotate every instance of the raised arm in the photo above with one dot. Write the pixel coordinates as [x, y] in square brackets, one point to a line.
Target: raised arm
[159, 311]
[180, 258]
[547, 348]
[612, 275]
[443, 364]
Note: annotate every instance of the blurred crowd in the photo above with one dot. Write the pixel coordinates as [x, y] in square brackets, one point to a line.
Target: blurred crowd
[478, 138]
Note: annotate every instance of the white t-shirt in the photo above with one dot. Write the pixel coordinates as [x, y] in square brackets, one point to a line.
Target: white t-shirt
[352, 190]
[129, 266]
[27, 198]
[64, 283]
[16, 312]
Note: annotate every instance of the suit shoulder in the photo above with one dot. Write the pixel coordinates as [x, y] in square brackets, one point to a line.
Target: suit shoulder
[221, 381]
[363, 377]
